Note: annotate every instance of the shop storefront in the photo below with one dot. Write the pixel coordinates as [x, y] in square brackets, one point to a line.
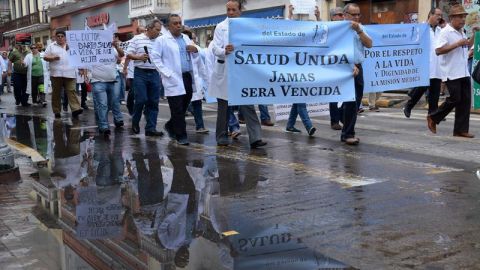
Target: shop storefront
[95, 17]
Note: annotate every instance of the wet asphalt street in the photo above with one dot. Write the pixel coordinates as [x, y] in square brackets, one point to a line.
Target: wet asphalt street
[402, 199]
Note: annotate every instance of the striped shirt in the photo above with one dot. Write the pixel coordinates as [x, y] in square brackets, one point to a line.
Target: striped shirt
[136, 47]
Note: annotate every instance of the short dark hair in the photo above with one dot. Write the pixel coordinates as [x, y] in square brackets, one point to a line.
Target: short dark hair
[60, 31]
[172, 16]
[188, 33]
[239, 2]
[432, 11]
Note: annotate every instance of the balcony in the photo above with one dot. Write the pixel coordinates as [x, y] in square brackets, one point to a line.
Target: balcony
[33, 22]
[143, 8]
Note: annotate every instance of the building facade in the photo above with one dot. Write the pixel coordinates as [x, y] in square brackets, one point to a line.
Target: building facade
[76, 15]
[25, 16]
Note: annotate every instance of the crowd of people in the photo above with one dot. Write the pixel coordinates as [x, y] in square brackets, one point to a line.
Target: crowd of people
[172, 66]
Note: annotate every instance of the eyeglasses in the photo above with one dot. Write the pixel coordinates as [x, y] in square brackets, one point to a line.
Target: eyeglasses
[354, 14]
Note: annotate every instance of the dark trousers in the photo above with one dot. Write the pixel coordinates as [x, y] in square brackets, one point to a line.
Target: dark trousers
[36, 81]
[147, 87]
[433, 95]
[20, 88]
[350, 109]
[335, 114]
[460, 99]
[178, 107]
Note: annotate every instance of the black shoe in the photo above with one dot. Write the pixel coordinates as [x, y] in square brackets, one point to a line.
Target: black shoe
[119, 124]
[17, 103]
[154, 133]
[57, 115]
[76, 113]
[407, 112]
[258, 144]
[135, 128]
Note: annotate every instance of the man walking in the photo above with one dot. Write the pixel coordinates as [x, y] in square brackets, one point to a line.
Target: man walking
[336, 14]
[146, 80]
[62, 75]
[181, 68]
[19, 74]
[218, 84]
[434, 18]
[362, 40]
[452, 46]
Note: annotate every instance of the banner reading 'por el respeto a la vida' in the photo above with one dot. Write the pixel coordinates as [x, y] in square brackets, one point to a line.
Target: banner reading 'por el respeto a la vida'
[280, 61]
[399, 58]
[89, 48]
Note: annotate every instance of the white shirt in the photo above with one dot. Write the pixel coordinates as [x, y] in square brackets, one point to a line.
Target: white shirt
[218, 78]
[453, 65]
[60, 68]
[166, 57]
[136, 46]
[435, 72]
[105, 72]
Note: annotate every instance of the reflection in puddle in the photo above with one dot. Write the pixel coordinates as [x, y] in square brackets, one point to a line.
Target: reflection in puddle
[152, 205]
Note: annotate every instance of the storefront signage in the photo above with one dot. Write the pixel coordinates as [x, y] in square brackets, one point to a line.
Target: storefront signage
[100, 19]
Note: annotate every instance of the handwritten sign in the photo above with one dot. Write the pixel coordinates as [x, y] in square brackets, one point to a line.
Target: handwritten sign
[303, 6]
[88, 48]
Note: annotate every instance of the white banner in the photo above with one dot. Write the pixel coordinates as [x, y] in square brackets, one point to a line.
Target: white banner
[282, 111]
[88, 48]
[303, 6]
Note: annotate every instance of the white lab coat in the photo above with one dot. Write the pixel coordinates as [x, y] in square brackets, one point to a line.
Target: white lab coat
[166, 57]
[217, 86]
[46, 75]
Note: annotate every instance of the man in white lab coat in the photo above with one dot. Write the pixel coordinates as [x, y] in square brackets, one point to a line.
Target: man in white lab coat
[179, 63]
[218, 84]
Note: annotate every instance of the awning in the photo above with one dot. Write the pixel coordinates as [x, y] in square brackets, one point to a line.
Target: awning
[269, 13]
[28, 29]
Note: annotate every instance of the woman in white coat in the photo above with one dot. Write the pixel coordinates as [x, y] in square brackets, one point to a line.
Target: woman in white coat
[35, 74]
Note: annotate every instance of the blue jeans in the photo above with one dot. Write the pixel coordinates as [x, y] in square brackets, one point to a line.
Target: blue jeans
[233, 125]
[105, 98]
[121, 86]
[299, 109]
[146, 83]
[197, 113]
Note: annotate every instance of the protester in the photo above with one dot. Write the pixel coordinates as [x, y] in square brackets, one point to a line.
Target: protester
[218, 84]
[35, 74]
[62, 75]
[106, 93]
[146, 80]
[452, 46]
[336, 14]
[128, 70]
[19, 74]
[362, 40]
[299, 109]
[434, 17]
[197, 96]
[179, 63]
[81, 88]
